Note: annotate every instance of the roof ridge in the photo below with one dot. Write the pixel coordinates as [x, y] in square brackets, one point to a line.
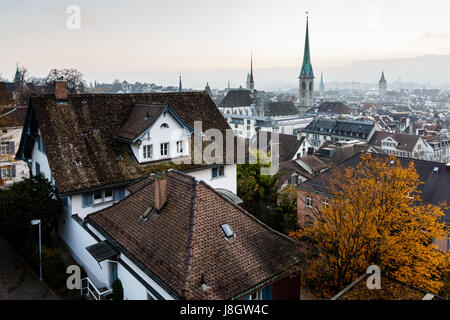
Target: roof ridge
[190, 243]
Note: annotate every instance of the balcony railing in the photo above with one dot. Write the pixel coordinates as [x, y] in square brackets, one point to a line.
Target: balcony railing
[92, 292]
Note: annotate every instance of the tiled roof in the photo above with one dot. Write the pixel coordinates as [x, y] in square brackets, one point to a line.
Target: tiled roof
[434, 188]
[283, 108]
[331, 107]
[391, 289]
[185, 239]
[314, 162]
[287, 147]
[12, 116]
[405, 142]
[237, 98]
[140, 119]
[84, 130]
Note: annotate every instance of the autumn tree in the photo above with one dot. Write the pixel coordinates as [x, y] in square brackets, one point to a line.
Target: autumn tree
[374, 216]
[74, 78]
[261, 196]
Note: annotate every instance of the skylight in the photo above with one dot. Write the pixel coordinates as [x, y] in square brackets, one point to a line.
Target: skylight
[227, 230]
[146, 213]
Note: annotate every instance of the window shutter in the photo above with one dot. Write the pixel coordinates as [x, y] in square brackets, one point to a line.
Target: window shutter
[267, 293]
[13, 171]
[11, 147]
[87, 200]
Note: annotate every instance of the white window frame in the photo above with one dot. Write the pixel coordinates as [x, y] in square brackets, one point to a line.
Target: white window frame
[109, 198]
[4, 147]
[308, 202]
[147, 151]
[258, 295]
[218, 172]
[161, 149]
[180, 146]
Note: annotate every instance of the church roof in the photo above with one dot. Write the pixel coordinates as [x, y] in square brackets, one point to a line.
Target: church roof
[382, 80]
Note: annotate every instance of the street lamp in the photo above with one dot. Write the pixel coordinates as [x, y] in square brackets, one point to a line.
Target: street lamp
[35, 222]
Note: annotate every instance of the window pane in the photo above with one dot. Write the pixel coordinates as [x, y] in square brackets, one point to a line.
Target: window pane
[98, 197]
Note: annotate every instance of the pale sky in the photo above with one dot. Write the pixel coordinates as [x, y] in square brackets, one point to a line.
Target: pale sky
[121, 38]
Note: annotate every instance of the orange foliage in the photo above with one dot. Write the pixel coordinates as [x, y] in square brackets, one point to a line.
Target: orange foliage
[375, 216]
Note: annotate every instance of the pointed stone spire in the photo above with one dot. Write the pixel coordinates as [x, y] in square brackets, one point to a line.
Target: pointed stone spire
[252, 84]
[382, 77]
[322, 85]
[180, 87]
[307, 71]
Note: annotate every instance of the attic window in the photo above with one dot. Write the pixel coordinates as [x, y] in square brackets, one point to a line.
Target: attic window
[164, 126]
[228, 232]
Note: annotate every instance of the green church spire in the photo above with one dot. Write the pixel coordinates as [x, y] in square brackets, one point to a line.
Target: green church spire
[307, 70]
[17, 76]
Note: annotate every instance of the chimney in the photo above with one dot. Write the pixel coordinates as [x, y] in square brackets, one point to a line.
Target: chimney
[160, 191]
[61, 91]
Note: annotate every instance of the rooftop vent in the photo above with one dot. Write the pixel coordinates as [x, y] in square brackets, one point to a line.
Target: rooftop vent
[436, 169]
[228, 232]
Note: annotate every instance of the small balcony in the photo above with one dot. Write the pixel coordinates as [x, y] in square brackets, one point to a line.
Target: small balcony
[91, 292]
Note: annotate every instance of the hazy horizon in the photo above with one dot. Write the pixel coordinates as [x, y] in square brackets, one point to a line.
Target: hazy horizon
[153, 41]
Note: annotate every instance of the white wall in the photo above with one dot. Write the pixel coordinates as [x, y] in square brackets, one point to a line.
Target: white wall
[228, 181]
[22, 171]
[41, 158]
[158, 135]
[77, 239]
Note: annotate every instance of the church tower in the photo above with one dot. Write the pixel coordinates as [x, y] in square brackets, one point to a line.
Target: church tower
[322, 85]
[250, 85]
[382, 85]
[17, 76]
[180, 87]
[306, 78]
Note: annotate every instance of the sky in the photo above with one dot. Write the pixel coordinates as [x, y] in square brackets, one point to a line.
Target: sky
[155, 40]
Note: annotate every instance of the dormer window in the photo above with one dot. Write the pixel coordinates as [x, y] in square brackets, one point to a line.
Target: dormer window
[164, 126]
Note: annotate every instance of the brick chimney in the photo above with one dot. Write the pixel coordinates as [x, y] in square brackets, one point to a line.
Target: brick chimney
[61, 91]
[160, 191]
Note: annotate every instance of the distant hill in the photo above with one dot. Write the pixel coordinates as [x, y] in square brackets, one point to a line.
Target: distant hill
[433, 70]
[430, 69]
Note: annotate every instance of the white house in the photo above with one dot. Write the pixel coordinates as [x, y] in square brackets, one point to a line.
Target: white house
[99, 151]
[11, 124]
